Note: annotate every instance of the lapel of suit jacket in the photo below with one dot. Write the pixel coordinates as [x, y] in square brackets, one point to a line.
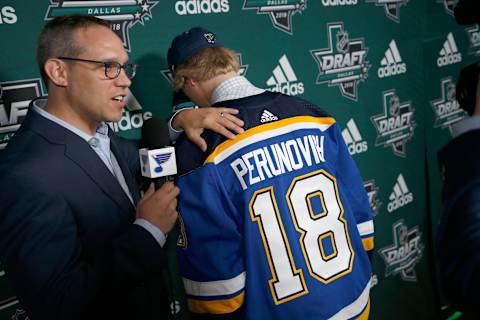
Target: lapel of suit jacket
[127, 174]
[80, 152]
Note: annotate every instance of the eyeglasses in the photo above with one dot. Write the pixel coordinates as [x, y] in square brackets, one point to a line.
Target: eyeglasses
[112, 68]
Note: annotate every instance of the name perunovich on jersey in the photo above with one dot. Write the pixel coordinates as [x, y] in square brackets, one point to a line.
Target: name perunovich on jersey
[277, 220]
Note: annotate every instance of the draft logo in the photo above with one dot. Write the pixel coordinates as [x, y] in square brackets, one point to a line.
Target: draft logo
[474, 37]
[343, 63]
[279, 11]
[123, 14]
[392, 7]
[449, 5]
[447, 109]
[15, 96]
[405, 253]
[395, 126]
[372, 191]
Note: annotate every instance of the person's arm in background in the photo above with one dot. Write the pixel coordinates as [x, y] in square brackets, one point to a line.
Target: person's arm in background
[193, 121]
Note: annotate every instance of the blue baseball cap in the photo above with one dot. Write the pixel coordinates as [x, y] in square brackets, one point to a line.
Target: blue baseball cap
[188, 44]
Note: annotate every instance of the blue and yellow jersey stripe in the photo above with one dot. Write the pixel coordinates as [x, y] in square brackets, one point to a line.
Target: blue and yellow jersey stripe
[266, 131]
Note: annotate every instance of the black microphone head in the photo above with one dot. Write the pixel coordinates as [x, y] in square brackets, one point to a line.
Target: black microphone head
[467, 12]
[155, 134]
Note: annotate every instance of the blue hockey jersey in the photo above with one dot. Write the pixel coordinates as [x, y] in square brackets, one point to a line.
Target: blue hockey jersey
[276, 220]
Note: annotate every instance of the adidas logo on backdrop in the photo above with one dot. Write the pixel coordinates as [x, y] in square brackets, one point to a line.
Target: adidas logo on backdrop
[353, 138]
[201, 6]
[284, 79]
[267, 116]
[400, 196]
[392, 63]
[449, 53]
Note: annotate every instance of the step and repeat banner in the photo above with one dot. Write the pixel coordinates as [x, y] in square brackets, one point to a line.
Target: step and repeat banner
[385, 69]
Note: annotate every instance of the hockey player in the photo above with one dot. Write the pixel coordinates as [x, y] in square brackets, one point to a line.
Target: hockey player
[276, 222]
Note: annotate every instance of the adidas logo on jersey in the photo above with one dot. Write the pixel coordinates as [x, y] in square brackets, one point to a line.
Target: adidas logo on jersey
[333, 3]
[392, 63]
[449, 53]
[267, 116]
[400, 196]
[284, 79]
[353, 138]
[201, 6]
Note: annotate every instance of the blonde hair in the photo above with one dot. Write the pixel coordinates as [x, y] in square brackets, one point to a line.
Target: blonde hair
[205, 65]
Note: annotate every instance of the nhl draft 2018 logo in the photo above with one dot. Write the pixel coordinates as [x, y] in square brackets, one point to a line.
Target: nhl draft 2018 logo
[395, 126]
[280, 12]
[372, 191]
[447, 109]
[449, 5]
[405, 252]
[123, 14]
[474, 37]
[14, 101]
[392, 7]
[343, 63]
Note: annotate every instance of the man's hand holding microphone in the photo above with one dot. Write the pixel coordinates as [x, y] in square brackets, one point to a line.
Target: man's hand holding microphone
[159, 203]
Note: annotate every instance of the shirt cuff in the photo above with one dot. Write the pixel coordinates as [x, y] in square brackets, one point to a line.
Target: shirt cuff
[153, 230]
[174, 134]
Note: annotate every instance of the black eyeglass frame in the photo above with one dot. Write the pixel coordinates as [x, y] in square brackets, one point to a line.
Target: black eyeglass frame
[109, 64]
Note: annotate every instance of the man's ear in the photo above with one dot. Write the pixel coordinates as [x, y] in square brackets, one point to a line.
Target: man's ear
[191, 82]
[56, 71]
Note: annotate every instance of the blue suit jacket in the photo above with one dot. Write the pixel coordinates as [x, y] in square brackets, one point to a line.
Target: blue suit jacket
[68, 242]
[458, 246]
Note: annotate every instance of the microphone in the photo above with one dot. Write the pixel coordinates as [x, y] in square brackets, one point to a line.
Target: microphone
[157, 158]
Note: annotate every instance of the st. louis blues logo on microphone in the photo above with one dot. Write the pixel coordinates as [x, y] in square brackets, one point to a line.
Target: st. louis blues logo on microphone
[158, 162]
[161, 159]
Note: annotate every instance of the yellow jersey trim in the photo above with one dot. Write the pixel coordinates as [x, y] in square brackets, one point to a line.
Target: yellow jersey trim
[216, 306]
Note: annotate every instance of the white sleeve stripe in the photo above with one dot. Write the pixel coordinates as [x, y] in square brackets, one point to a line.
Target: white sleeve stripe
[356, 307]
[215, 288]
[365, 228]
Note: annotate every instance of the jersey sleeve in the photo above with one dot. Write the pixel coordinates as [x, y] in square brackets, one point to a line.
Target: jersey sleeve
[210, 245]
[348, 172]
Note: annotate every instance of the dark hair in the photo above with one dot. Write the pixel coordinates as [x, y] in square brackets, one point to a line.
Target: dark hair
[57, 38]
[467, 87]
[467, 12]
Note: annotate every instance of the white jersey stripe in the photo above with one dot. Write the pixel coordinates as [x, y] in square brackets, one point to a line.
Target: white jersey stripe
[215, 288]
[365, 228]
[356, 306]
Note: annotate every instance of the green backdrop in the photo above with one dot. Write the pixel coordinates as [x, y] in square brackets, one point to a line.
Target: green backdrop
[386, 69]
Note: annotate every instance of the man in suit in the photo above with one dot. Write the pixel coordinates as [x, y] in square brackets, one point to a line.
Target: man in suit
[76, 241]
[458, 246]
